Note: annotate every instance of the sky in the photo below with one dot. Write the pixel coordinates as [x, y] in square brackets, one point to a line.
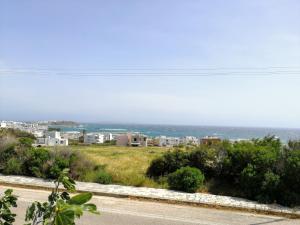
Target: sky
[246, 55]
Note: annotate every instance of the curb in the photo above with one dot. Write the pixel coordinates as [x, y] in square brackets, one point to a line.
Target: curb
[159, 195]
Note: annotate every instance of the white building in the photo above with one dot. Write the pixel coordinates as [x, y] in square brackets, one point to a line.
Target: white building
[74, 135]
[52, 138]
[168, 141]
[93, 138]
[38, 133]
[3, 124]
[34, 128]
[53, 134]
[189, 140]
[108, 137]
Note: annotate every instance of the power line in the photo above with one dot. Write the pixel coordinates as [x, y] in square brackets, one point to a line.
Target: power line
[165, 68]
[151, 72]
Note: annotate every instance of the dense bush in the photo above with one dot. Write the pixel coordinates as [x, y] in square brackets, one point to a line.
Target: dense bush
[186, 179]
[260, 169]
[205, 159]
[18, 157]
[13, 166]
[168, 163]
[290, 178]
[34, 161]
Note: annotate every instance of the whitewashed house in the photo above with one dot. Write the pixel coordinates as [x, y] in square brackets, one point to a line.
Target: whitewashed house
[74, 135]
[52, 138]
[165, 141]
[93, 138]
[108, 137]
[38, 133]
[3, 124]
[189, 140]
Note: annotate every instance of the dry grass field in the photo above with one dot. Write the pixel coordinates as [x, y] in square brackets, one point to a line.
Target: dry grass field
[127, 165]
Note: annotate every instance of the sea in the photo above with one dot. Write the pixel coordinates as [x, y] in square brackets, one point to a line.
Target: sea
[231, 133]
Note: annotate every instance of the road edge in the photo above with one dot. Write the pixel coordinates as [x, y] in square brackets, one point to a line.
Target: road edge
[162, 200]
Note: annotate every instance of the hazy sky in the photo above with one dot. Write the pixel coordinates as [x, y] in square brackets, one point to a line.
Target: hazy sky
[42, 43]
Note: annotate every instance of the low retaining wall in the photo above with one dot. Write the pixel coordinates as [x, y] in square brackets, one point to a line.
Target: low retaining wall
[157, 194]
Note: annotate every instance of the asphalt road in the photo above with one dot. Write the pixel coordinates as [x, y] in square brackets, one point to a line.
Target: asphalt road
[121, 211]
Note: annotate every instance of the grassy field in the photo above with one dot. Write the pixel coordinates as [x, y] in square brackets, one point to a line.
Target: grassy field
[127, 165]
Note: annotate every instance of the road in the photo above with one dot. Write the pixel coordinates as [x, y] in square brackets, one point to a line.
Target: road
[122, 211]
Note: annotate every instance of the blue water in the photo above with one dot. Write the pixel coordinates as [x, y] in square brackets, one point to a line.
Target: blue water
[284, 134]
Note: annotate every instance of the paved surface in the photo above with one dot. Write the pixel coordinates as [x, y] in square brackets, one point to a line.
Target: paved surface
[122, 211]
[153, 193]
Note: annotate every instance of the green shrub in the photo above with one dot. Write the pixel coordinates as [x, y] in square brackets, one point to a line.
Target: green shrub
[269, 141]
[35, 160]
[5, 154]
[294, 145]
[102, 177]
[13, 166]
[80, 164]
[250, 181]
[58, 165]
[99, 175]
[291, 174]
[269, 189]
[168, 163]
[59, 160]
[26, 142]
[186, 179]
[290, 179]
[157, 167]
[261, 169]
[205, 159]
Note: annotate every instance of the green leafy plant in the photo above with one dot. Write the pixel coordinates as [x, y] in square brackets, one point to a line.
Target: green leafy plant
[6, 202]
[186, 179]
[61, 208]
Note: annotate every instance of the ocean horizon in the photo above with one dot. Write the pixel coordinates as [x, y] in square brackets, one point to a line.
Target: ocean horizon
[224, 132]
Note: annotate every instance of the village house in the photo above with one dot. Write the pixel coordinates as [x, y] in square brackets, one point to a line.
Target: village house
[132, 139]
[52, 138]
[108, 137]
[189, 140]
[74, 135]
[3, 124]
[93, 138]
[152, 142]
[164, 141]
[209, 140]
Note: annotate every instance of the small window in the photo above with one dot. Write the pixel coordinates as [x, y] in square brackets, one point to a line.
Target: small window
[134, 139]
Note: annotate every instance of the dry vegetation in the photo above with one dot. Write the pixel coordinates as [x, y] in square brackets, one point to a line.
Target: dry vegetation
[127, 165]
